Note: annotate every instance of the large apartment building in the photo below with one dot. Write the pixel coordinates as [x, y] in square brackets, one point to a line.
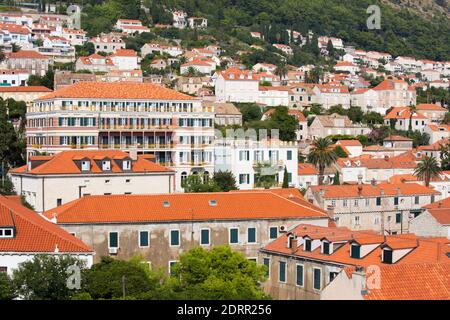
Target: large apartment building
[386, 208]
[306, 261]
[176, 128]
[160, 227]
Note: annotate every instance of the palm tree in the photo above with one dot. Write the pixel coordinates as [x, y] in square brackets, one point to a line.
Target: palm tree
[322, 155]
[412, 112]
[428, 169]
[281, 71]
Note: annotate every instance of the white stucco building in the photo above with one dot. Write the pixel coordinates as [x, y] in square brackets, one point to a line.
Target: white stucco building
[235, 85]
[25, 234]
[50, 181]
[242, 158]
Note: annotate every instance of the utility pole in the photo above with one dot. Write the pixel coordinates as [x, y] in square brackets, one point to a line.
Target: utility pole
[123, 287]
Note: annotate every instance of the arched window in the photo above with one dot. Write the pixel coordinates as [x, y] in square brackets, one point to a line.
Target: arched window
[183, 176]
[206, 177]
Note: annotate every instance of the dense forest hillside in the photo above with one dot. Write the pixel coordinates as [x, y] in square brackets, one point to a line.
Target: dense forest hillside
[420, 28]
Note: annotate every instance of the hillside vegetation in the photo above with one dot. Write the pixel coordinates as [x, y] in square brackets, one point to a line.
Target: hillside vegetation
[416, 28]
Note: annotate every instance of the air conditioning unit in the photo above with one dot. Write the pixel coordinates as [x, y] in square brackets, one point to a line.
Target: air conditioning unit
[113, 250]
[282, 229]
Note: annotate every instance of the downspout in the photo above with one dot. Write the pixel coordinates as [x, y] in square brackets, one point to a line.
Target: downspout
[43, 194]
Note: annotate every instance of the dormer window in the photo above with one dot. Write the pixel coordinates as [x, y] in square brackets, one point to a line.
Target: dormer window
[85, 165]
[126, 165]
[325, 247]
[355, 251]
[307, 245]
[6, 233]
[387, 256]
[106, 165]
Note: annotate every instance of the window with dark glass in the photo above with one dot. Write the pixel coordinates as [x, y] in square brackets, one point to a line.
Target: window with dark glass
[355, 251]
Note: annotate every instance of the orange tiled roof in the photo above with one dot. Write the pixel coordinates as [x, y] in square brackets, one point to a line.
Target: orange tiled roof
[26, 54]
[389, 189]
[424, 281]
[307, 169]
[403, 113]
[430, 106]
[236, 74]
[183, 207]
[33, 232]
[349, 143]
[426, 250]
[444, 203]
[401, 161]
[14, 28]
[116, 90]
[124, 53]
[442, 215]
[435, 146]
[63, 163]
[25, 89]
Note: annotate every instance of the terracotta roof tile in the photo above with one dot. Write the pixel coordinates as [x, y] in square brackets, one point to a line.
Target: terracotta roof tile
[116, 90]
[182, 207]
[63, 163]
[34, 233]
[424, 281]
[389, 189]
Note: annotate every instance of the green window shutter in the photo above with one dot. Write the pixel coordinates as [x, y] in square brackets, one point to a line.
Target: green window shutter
[355, 251]
[289, 155]
[143, 239]
[174, 237]
[204, 237]
[307, 245]
[299, 275]
[113, 240]
[234, 236]
[398, 218]
[317, 279]
[378, 201]
[251, 235]
[266, 262]
[326, 248]
[282, 273]
[387, 256]
[273, 233]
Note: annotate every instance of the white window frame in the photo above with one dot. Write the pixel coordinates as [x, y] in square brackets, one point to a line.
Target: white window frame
[229, 235]
[170, 238]
[314, 268]
[209, 237]
[148, 233]
[118, 240]
[285, 271]
[170, 267]
[276, 227]
[256, 236]
[303, 275]
[268, 267]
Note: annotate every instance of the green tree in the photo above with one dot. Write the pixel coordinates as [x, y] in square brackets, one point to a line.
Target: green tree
[373, 118]
[322, 155]
[46, 80]
[445, 156]
[427, 169]
[285, 179]
[340, 152]
[265, 175]
[115, 279]
[250, 112]
[6, 288]
[336, 180]
[282, 120]
[195, 183]
[281, 71]
[45, 277]
[216, 274]
[225, 180]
